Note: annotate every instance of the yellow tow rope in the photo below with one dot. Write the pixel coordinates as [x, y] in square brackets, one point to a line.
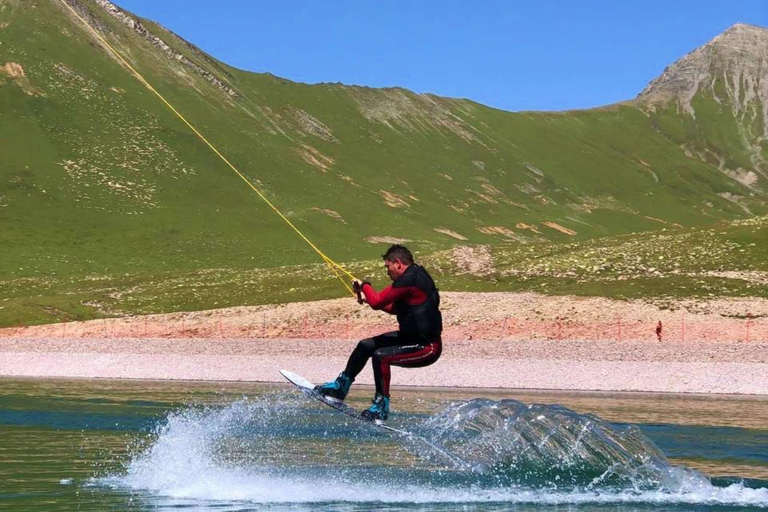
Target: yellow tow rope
[335, 267]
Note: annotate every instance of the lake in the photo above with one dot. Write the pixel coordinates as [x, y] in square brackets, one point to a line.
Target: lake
[99, 445]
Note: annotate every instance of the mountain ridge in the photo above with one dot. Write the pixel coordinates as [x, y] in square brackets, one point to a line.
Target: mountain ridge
[731, 71]
[100, 179]
[743, 48]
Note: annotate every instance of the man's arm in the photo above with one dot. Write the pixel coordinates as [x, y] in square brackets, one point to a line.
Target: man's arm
[385, 299]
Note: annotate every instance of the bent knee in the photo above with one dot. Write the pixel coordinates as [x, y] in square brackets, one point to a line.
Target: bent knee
[366, 346]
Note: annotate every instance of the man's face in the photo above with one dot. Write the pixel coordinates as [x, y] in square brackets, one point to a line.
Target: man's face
[394, 268]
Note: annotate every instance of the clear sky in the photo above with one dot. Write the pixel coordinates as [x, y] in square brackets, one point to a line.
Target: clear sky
[513, 55]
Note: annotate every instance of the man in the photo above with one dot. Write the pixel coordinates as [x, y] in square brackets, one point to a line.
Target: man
[413, 297]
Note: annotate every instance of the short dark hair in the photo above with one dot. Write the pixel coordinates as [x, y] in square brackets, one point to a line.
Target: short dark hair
[398, 252]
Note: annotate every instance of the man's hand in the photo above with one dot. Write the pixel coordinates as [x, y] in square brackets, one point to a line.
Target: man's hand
[357, 287]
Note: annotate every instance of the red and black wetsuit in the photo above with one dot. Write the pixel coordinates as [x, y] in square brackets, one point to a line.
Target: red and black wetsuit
[415, 300]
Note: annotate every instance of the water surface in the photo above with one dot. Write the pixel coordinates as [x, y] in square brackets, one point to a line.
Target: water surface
[119, 445]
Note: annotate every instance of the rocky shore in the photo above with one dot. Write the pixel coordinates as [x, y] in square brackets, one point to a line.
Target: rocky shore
[494, 349]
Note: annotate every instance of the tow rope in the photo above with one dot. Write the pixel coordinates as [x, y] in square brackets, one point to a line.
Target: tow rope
[335, 267]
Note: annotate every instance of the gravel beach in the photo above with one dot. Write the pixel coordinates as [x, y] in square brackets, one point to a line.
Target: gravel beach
[493, 340]
[704, 367]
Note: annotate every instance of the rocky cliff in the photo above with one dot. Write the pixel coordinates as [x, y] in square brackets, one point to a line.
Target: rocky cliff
[733, 67]
[724, 82]
[135, 25]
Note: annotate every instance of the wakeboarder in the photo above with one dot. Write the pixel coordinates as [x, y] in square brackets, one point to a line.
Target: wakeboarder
[415, 300]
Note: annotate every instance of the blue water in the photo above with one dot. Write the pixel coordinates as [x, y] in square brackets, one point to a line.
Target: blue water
[80, 445]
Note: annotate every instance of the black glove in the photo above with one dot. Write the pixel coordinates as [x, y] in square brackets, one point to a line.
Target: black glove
[357, 287]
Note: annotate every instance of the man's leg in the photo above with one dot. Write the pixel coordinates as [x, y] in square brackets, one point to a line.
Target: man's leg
[338, 389]
[400, 352]
[365, 349]
[405, 354]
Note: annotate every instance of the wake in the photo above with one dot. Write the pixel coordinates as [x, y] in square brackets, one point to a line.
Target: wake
[282, 449]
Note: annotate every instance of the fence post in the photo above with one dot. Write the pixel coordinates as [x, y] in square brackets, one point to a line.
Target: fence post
[682, 335]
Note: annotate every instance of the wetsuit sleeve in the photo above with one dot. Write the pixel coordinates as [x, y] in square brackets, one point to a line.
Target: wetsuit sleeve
[384, 299]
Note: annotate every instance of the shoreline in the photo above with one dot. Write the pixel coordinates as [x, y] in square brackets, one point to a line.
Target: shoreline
[397, 387]
[717, 368]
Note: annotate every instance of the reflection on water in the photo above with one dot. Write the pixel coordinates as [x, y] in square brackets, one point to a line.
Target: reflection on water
[101, 445]
[724, 468]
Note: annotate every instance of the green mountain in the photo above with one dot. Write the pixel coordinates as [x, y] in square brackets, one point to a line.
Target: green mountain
[99, 179]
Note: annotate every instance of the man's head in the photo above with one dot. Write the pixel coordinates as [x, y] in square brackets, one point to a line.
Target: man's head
[397, 259]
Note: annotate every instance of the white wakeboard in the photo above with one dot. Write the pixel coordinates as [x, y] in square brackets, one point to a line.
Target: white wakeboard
[308, 389]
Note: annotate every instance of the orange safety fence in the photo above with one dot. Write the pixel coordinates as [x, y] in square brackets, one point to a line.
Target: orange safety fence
[680, 329]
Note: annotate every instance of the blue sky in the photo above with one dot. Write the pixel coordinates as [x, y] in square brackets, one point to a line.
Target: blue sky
[513, 55]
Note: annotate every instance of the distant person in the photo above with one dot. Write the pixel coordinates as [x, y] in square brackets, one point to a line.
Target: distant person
[658, 331]
[413, 297]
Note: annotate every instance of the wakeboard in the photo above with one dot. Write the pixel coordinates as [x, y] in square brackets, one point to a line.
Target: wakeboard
[308, 389]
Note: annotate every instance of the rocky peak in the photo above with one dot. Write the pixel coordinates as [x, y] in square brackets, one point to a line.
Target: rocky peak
[135, 25]
[732, 68]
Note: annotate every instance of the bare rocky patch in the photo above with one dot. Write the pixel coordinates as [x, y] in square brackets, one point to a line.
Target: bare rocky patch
[399, 109]
[745, 177]
[311, 125]
[171, 54]
[499, 230]
[450, 233]
[559, 228]
[15, 72]
[662, 221]
[757, 277]
[535, 170]
[476, 260]
[331, 213]
[12, 70]
[737, 200]
[528, 188]
[349, 180]
[315, 158]
[393, 200]
[529, 227]
[386, 240]
[483, 198]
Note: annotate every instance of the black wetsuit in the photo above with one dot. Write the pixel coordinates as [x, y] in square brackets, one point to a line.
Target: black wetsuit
[415, 300]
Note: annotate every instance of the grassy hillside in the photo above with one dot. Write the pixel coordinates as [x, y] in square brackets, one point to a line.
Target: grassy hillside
[729, 260]
[104, 194]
